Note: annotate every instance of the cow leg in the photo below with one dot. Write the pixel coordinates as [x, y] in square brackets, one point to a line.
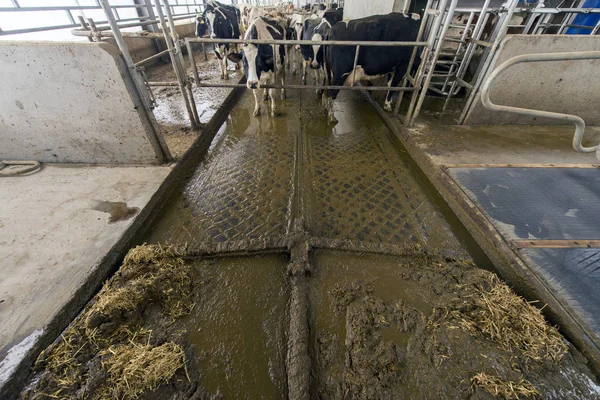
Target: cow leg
[292, 56]
[329, 107]
[265, 94]
[282, 79]
[225, 72]
[256, 103]
[273, 104]
[304, 64]
[388, 98]
[317, 79]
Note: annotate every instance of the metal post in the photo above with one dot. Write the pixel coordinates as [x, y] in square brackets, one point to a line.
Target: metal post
[174, 34]
[137, 78]
[174, 60]
[488, 60]
[412, 58]
[433, 60]
[188, 45]
[138, 81]
[355, 62]
[275, 64]
[463, 37]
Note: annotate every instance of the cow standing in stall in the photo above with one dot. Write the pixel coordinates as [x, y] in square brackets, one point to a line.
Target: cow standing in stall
[294, 32]
[317, 29]
[373, 62]
[224, 23]
[260, 64]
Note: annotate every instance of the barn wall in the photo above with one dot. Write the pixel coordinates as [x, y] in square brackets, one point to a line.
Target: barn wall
[569, 87]
[354, 9]
[69, 102]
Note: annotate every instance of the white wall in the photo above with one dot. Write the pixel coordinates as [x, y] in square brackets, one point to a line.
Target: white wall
[354, 9]
[69, 102]
[569, 87]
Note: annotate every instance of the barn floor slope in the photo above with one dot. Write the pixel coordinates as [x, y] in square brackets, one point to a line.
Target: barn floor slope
[528, 199]
[58, 226]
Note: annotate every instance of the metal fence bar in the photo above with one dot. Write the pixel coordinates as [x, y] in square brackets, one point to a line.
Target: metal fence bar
[190, 51]
[488, 60]
[434, 59]
[174, 61]
[310, 42]
[296, 86]
[157, 55]
[525, 58]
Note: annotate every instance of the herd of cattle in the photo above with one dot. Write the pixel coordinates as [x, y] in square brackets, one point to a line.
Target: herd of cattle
[332, 65]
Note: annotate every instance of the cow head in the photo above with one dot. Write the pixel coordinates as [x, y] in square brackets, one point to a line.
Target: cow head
[256, 60]
[201, 26]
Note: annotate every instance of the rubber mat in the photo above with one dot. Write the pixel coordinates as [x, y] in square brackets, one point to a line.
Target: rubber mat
[536, 203]
[573, 276]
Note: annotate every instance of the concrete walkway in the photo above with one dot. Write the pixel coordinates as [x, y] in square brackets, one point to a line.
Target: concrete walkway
[59, 229]
[497, 179]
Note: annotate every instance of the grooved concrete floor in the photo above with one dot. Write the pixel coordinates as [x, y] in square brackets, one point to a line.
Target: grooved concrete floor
[349, 180]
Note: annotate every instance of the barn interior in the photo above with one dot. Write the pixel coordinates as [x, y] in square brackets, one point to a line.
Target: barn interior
[162, 241]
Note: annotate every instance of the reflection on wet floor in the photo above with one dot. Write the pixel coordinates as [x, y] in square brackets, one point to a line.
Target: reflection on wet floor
[352, 180]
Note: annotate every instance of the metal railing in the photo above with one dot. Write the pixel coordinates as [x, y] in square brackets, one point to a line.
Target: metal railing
[482, 31]
[525, 58]
[144, 10]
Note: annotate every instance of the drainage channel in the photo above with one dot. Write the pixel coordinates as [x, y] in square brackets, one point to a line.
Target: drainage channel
[326, 268]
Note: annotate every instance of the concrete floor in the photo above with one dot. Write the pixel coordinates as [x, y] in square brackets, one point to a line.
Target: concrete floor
[56, 228]
[449, 153]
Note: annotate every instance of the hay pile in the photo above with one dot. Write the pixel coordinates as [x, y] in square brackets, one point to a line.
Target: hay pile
[135, 368]
[507, 389]
[499, 314]
[111, 330]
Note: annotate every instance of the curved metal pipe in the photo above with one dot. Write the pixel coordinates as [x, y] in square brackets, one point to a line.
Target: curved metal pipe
[578, 121]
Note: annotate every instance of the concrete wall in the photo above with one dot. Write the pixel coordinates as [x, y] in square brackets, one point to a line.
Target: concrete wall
[70, 102]
[141, 48]
[570, 87]
[354, 9]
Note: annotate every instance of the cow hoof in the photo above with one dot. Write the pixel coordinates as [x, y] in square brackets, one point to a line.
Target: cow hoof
[274, 113]
[294, 72]
[387, 106]
[319, 92]
[256, 113]
[332, 119]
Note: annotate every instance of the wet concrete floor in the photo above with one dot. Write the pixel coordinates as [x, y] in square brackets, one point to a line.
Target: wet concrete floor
[265, 177]
[270, 179]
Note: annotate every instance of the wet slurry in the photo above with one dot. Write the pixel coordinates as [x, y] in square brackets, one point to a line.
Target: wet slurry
[323, 200]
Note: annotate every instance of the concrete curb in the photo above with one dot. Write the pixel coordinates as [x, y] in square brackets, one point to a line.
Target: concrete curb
[130, 238]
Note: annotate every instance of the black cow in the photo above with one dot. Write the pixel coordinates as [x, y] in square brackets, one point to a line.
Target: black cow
[314, 29]
[334, 16]
[224, 22]
[373, 62]
[260, 64]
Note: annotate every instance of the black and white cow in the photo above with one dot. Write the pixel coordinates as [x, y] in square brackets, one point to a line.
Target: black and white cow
[260, 64]
[224, 23]
[373, 62]
[314, 29]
